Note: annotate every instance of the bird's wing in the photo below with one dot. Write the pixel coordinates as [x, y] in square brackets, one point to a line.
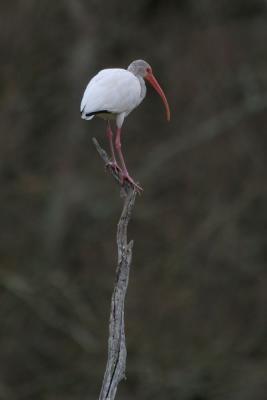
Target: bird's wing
[113, 90]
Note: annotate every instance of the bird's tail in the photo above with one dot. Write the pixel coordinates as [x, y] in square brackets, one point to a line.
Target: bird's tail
[91, 115]
[85, 115]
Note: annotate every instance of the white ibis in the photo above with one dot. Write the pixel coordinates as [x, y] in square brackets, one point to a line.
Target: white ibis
[112, 94]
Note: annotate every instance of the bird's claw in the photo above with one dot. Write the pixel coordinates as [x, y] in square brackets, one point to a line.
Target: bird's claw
[127, 178]
[113, 165]
[124, 177]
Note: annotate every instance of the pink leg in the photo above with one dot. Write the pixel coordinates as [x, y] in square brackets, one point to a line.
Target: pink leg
[125, 174]
[113, 163]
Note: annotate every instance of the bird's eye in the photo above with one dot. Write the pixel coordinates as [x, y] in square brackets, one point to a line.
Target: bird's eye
[148, 70]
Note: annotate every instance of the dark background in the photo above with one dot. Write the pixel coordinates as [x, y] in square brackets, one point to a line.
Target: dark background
[196, 317]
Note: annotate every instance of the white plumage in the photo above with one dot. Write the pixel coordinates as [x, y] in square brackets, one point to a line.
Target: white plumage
[115, 90]
[112, 94]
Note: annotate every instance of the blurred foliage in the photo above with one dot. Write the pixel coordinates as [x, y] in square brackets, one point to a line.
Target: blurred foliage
[196, 308]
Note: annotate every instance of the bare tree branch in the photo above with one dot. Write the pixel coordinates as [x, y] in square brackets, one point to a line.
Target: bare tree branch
[46, 312]
[204, 132]
[116, 363]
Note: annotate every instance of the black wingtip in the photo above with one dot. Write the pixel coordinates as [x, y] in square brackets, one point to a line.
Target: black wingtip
[97, 112]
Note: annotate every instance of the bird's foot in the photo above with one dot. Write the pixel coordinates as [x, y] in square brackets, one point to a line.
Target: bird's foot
[126, 178]
[113, 165]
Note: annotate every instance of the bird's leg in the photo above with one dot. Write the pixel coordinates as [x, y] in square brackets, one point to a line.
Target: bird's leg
[125, 174]
[112, 164]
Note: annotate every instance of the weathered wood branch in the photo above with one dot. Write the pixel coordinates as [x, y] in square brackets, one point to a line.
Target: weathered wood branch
[117, 352]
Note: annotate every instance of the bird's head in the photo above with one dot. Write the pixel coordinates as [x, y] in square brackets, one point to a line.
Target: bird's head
[143, 69]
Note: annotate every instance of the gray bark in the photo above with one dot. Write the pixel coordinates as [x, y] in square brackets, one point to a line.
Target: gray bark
[117, 352]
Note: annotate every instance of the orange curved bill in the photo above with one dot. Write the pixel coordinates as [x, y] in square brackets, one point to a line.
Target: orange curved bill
[153, 82]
